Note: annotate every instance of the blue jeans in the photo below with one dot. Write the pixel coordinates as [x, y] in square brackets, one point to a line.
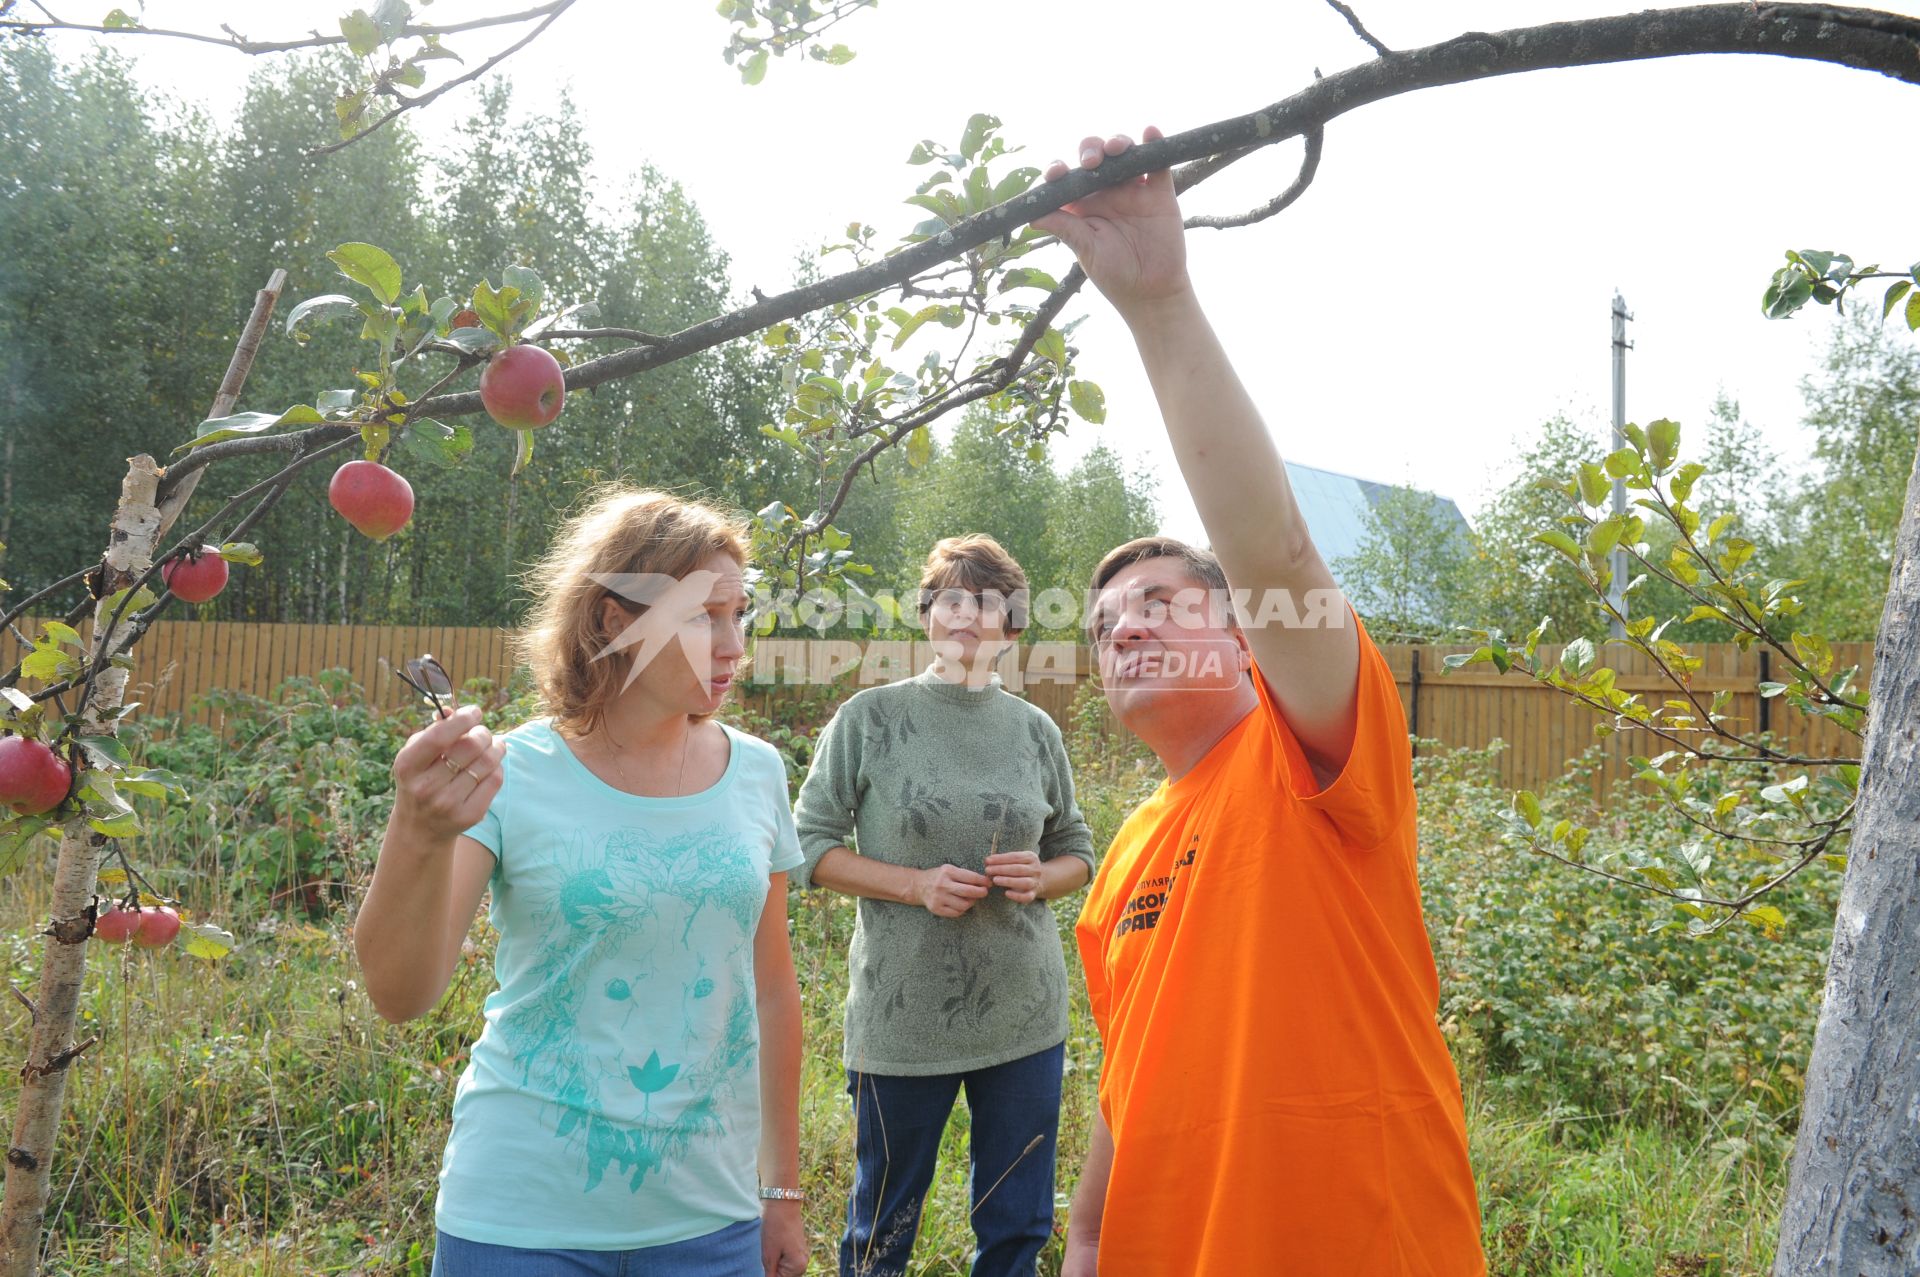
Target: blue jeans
[898, 1123]
[734, 1251]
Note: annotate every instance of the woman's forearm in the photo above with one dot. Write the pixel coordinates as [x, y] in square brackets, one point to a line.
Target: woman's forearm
[401, 932]
[852, 874]
[1062, 876]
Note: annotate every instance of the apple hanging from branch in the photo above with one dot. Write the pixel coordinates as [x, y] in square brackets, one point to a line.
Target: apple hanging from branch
[197, 576]
[33, 779]
[523, 388]
[375, 500]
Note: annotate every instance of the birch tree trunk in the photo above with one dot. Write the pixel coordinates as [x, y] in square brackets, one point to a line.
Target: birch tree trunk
[136, 523]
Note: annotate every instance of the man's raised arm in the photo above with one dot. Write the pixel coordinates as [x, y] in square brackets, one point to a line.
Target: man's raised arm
[1131, 243]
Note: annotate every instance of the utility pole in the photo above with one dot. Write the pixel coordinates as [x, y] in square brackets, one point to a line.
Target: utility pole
[1616, 588]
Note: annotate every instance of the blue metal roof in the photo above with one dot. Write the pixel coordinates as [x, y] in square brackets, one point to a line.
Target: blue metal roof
[1337, 505]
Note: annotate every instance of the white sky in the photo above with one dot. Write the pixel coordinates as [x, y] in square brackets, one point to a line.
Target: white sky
[1442, 289]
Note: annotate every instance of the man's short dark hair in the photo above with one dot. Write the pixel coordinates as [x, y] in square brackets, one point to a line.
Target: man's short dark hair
[1201, 563]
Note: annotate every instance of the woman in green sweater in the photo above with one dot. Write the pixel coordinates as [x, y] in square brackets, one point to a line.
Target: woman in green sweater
[945, 804]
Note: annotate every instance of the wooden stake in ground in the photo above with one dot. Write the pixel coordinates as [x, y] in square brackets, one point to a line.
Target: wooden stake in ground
[138, 523]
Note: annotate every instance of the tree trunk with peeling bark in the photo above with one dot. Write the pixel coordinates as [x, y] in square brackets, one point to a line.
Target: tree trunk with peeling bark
[136, 524]
[1853, 1204]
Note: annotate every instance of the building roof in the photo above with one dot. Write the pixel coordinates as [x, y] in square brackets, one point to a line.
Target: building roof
[1336, 507]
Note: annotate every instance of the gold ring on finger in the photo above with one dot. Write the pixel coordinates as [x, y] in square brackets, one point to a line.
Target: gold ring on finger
[451, 767]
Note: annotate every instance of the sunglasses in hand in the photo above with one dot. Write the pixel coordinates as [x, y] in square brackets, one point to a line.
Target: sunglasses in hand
[429, 680]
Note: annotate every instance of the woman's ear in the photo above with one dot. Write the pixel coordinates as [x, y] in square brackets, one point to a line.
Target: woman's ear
[613, 619]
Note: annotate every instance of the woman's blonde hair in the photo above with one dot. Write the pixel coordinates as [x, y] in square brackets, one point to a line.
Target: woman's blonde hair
[620, 529]
[979, 563]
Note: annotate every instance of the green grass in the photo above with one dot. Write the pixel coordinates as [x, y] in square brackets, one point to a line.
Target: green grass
[256, 1117]
[1629, 1096]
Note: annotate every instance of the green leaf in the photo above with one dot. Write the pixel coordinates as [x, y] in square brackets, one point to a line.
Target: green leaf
[1622, 463]
[837, 56]
[1529, 808]
[1895, 292]
[1787, 791]
[754, 69]
[62, 633]
[919, 447]
[409, 73]
[1577, 656]
[1014, 183]
[15, 834]
[204, 940]
[316, 310]
[361, 31]
[1790, 290]
[1663, 442]
[474, 341]
[350, 109]
[495, 308]
[911, 324]
[527, 280]
[125, 825]
[1765, 917]
[392, 17]
[1052, 346]
[1087, 400]
[438, 444]
[1028, 277]
[1593, 484]
[49, 665]
[1913, 312]
[371, 266]
[215, 429]
[979, 127]
[652, 1077]
[120, 20]
[1559, 541]
[1681, 485]
[522, 451]
[105, 751]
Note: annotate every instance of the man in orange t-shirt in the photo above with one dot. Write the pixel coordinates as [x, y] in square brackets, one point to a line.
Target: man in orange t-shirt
[1275, 1096]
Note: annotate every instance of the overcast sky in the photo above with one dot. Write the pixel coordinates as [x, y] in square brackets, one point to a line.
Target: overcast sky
[1443, 288]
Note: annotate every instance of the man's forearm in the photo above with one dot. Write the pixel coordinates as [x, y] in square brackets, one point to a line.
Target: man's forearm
[1229, 461]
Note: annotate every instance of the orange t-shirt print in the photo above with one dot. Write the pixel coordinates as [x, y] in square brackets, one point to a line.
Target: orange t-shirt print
[1281, 1099]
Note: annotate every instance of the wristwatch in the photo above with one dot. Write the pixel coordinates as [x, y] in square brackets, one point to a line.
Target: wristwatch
[782, 1194]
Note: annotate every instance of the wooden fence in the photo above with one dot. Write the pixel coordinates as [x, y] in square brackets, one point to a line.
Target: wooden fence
[179, 662]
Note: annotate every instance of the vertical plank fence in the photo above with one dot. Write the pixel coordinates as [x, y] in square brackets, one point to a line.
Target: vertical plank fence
[181, 661]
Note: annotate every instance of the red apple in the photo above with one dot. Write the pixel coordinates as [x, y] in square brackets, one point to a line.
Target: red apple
[464, 319]
[523, 387]
[158, 926]
[197, 576]
[116, 925]
[33, 779]
[372, 498]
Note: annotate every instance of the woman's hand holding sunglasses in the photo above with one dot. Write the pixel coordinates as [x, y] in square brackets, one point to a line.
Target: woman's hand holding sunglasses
[447, 773]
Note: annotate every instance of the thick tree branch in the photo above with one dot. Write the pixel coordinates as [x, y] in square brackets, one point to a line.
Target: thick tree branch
[1863, 39]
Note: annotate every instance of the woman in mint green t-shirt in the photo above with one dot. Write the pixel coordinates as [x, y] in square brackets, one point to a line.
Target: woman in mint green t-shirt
[946, 805]
[632, 1101]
